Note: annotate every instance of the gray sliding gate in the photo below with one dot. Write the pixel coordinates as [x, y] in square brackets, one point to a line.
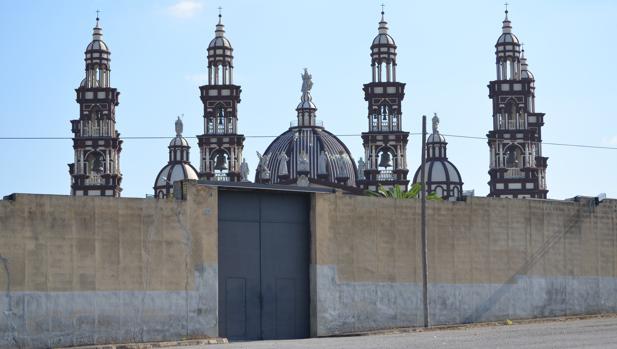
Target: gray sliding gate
[263, 265]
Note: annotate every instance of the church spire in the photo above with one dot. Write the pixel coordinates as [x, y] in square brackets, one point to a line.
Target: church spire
[385, 142]
[96, 143]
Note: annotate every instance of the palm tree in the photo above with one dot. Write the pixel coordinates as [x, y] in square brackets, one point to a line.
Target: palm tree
[396, 193]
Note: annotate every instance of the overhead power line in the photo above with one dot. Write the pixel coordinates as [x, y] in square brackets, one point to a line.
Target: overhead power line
[338, 135]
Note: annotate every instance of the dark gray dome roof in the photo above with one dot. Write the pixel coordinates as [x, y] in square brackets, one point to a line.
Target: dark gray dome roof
[439, 171]
[312, 141]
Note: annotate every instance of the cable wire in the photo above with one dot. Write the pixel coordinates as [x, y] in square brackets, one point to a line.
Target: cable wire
[338, 135]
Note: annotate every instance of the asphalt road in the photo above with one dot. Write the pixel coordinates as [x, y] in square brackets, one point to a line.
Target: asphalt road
[588, 333]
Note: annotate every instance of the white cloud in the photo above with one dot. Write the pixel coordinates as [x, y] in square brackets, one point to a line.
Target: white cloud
[185, 8]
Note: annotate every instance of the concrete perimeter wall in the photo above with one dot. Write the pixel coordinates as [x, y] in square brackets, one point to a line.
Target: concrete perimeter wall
[79, 270]
[489, 259]
[83, 270]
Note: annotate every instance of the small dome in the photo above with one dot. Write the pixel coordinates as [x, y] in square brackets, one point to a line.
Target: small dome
[175, 172]
[383, 39]
[219, 42]
[439, 171]
[178, 168]
[442, 177]
[436, 138]
[84, 83]
[97, 45]
[179, 141]
[308, 104]
[526, 74]
[508, 38]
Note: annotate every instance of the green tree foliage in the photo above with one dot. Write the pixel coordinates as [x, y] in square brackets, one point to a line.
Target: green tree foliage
[397, 193]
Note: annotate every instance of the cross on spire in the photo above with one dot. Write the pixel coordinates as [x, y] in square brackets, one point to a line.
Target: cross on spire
[506, 7]
[97, 14]
[220, 8]
[382, 7]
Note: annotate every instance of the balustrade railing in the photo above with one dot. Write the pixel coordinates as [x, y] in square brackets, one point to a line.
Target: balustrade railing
[95, 180]
[386, 175]
[221, 177]
[514, 173]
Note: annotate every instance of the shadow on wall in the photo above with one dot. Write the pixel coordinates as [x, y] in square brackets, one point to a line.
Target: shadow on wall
[573, 222]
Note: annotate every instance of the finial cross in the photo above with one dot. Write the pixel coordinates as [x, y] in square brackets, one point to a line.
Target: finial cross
[382, 6]
[97, 14]
[506, 6]
[220, 8]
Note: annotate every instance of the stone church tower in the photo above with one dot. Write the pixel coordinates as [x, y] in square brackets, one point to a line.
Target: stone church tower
[97, 145]
[517, 167]
[385, 143]
[220, 145]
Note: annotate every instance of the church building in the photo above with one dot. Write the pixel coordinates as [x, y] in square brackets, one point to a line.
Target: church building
[307, 154]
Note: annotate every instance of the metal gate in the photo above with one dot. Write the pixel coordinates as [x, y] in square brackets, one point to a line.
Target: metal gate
[263, 265]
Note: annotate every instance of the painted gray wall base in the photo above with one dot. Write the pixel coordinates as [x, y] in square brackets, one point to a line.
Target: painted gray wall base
[343, 307]
[58, 319]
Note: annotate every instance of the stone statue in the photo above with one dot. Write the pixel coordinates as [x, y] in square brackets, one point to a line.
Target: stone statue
[342, 169]
[435, 124]
[361, 168]
[264, 172]
[322, 166]
[179, 127]
[303, 162]
[283, 164]
[307, 82]
[244, 171]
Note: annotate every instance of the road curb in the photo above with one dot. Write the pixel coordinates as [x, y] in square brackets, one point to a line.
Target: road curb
[153, 345]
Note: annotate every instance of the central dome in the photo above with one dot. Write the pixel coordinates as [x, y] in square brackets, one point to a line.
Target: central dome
[307, 153]
[329, 160]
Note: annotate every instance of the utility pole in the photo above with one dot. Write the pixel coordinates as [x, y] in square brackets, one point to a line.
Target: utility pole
[423, 226]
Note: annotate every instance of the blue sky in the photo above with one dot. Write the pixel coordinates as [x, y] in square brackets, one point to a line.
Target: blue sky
[446, 57]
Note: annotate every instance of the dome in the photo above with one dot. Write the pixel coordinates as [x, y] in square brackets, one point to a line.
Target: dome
[179, 141]
[175, 172]
[441, 176]
[439, 171]
[436, 138]
[384, 39]
[329, 160]
[508, 38]
[97, 45]
[178, 168]
[219, 42]
[307, 153]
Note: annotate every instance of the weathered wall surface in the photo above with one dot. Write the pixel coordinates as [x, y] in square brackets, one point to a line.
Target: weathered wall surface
[80, 270]
[489, 259]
